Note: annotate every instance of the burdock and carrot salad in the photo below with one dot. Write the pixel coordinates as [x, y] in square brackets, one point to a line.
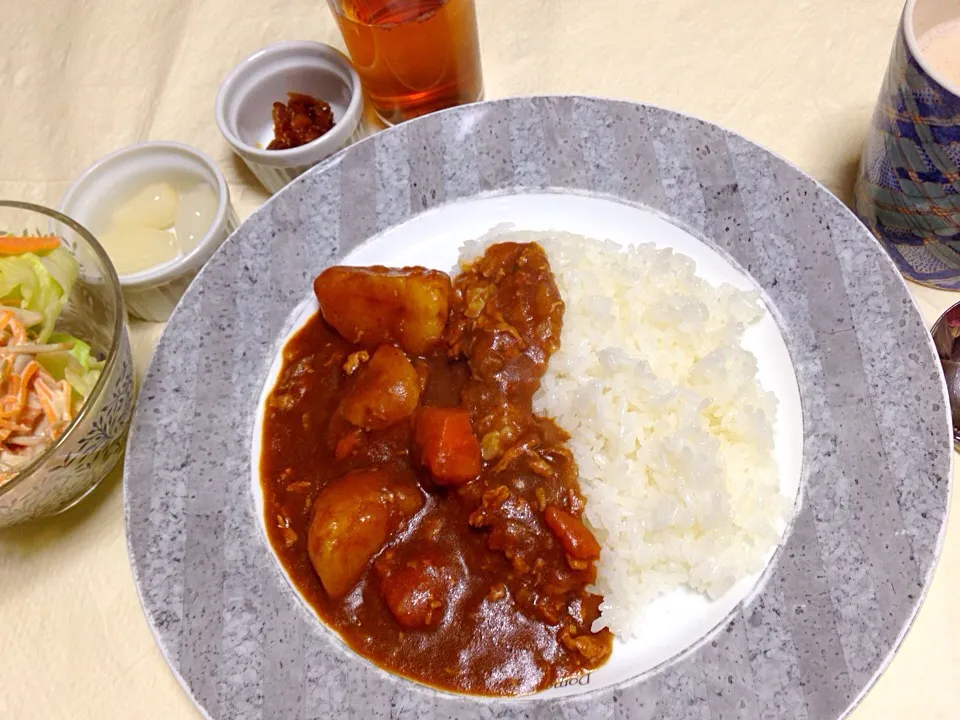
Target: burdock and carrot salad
[45, 376]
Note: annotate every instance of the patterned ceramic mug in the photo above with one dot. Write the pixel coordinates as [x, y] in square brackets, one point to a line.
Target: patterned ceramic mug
[908, 187]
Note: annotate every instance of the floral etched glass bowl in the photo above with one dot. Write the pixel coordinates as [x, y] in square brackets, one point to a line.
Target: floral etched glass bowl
[93, 442]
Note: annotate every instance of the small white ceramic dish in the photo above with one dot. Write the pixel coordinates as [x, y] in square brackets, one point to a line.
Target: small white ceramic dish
[244, 106]
[151, 294]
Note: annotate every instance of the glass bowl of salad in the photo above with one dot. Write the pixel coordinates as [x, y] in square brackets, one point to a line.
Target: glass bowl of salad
[66, 374]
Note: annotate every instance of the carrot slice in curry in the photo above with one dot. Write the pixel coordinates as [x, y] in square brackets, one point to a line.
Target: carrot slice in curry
[447, 445]
[575, 537]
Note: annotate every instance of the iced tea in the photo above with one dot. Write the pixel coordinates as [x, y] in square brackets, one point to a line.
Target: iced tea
[413, 56]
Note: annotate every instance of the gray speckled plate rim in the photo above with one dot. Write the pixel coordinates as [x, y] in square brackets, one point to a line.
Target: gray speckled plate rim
[477, 114]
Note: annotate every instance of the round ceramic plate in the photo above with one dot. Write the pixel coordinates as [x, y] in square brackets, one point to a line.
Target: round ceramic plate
[862, 433]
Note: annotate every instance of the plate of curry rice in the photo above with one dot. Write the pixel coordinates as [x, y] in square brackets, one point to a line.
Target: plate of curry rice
[535, 408]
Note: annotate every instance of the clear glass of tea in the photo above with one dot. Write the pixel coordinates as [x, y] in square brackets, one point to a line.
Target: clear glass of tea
[413, 56]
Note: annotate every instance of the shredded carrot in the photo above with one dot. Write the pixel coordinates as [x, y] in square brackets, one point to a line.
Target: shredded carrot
[17, 244]
[48, 410]
[10, 401]
[46, 401]
[19, 331]
[35, 408]
[31, 413]
[67, 393]
[28, 372]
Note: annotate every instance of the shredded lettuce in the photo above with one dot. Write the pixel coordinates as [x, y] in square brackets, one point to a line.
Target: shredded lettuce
[77, 366]
[38, 283]
[62, 266]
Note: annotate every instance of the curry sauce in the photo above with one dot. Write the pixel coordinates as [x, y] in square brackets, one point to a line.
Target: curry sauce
[417, 502]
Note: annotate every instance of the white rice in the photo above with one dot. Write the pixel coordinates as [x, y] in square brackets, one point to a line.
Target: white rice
[669, 424]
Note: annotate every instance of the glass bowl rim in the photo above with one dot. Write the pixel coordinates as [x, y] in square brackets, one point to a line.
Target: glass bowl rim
[113, 281]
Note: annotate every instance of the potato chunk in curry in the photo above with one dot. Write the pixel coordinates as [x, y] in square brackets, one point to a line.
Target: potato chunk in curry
[354, 517]
[375, 305]
[387, 389]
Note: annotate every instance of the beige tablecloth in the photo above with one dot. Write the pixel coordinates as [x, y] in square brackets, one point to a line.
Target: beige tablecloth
[79, 78]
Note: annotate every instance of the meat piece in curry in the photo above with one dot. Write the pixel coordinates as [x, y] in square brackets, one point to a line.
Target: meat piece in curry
[414, 497]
